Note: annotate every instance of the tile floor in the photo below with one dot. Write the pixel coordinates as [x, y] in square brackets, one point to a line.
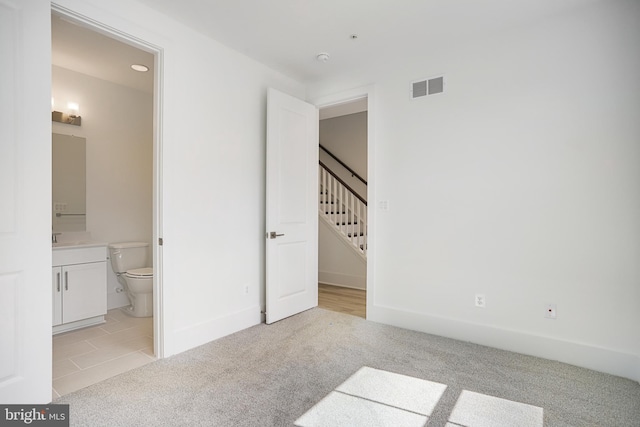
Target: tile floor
[90, 355]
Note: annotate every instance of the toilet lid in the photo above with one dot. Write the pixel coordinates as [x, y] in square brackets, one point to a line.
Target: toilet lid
[140, 272]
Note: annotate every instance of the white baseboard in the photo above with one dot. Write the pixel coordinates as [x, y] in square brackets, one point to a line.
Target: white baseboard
[65, 327]
[194, 336]
[343, 280]
[584, 355]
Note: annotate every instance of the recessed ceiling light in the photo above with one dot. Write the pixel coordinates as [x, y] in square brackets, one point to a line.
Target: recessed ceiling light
[140, 67]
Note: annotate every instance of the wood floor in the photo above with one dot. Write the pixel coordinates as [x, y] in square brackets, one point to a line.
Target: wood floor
[343, 300]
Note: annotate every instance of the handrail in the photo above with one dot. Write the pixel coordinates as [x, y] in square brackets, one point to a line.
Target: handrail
[353, 173]
[343, 183]
[342, 208]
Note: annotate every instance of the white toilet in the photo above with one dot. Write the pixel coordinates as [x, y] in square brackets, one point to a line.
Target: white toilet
[129, 262]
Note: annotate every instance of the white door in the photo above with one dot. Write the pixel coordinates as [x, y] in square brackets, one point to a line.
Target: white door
[291, 206]
[25, 201]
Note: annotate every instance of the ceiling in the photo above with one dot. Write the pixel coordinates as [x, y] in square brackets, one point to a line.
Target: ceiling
[287, 35]
[88, 52]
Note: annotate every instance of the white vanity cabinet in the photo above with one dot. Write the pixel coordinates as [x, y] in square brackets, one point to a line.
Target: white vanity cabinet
[79, 278]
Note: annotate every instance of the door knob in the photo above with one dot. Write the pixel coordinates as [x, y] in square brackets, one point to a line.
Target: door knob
[273, 235]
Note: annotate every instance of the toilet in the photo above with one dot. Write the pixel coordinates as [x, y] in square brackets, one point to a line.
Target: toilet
[129, 262]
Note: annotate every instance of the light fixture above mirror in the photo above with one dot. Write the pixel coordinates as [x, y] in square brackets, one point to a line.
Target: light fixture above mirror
[70, 117]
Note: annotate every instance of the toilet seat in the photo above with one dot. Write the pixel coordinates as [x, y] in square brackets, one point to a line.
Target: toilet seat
[140, 273]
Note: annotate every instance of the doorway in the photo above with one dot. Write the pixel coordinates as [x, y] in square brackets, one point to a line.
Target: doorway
[120, 111]
[343, 225]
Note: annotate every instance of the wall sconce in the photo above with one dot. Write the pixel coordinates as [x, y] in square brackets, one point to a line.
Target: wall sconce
[70, 118]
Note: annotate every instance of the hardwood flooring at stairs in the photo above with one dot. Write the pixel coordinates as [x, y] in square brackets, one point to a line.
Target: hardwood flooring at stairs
[343, 300]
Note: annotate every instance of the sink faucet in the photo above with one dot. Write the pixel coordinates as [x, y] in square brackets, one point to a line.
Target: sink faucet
[54, 237]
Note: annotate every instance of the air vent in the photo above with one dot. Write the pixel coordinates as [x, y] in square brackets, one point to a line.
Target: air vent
[436, 85]
[419, 89]
[427, 87]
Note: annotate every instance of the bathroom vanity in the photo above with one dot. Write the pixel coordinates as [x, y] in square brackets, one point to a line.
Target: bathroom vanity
[79, 279]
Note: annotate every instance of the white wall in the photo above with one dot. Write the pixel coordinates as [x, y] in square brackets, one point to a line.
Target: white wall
[117, 123]
[346, 138]
[521, 182]
[213, 174]
[338, 263]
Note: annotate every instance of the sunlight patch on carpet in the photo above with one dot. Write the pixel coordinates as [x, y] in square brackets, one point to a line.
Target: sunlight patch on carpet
[479, 410]
[373, 397]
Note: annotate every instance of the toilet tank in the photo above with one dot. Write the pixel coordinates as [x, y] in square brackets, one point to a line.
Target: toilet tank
[128, 255]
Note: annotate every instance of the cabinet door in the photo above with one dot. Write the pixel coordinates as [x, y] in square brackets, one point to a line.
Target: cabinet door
[85, 291]
[56, 280]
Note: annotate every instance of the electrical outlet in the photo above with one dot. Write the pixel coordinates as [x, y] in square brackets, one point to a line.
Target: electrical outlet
[550, 311]
[481, 301]
[246, 289]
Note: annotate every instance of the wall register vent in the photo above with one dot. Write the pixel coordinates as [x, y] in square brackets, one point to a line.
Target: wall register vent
[427, 87]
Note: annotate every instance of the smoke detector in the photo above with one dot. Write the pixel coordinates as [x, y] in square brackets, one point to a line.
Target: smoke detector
[322, 57]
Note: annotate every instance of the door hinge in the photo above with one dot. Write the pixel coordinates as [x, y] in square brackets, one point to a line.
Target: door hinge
[160, 242]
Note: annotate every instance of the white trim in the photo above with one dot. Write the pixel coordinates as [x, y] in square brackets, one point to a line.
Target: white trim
[159, 336]
[342, 280]
[65, 327]
[202, 333]
[158, 52]
[579, 354]
[340, 98]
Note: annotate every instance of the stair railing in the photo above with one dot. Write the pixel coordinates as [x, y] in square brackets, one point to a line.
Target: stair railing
[343, 164]
[343, 208]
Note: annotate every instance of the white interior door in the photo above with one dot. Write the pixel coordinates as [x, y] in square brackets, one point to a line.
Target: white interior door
[291, 206]
[25, 201]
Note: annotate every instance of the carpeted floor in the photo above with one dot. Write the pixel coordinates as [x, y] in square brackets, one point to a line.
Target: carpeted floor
[272, 375]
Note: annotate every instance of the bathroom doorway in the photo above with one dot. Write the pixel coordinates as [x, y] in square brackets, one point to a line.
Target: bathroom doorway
[119, 107]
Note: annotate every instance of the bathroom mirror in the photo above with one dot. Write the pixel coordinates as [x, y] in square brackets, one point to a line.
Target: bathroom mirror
[69, 172]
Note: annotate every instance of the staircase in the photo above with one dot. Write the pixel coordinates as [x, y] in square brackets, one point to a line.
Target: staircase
[343, 209]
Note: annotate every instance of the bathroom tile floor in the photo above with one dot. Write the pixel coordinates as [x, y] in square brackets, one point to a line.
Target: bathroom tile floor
[90, 355]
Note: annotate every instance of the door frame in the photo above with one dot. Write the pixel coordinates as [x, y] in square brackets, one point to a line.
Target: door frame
[342, 98]
[158, 54]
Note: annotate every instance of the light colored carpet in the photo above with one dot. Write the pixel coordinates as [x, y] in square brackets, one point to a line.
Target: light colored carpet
[273, 375]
